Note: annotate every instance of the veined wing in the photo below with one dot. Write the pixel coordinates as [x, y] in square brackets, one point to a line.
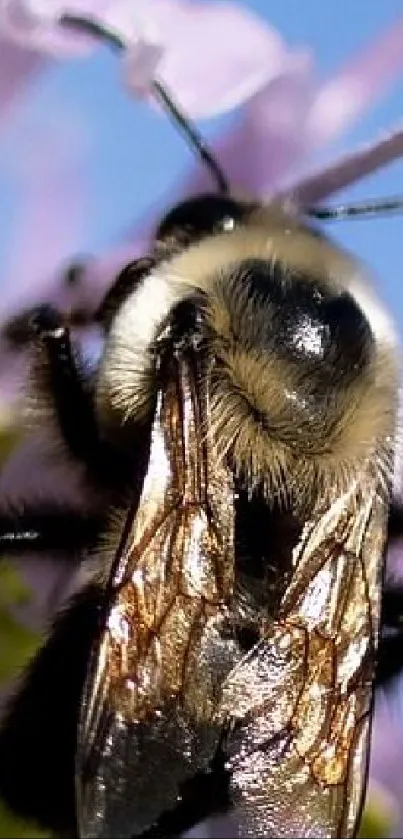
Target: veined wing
[299, 704]
[147, 719]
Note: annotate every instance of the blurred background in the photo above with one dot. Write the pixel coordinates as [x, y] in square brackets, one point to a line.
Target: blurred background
[86, 165]
[127, 158]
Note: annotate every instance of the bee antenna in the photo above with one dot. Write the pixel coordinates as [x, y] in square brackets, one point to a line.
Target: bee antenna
[348, 211]
[185, 125]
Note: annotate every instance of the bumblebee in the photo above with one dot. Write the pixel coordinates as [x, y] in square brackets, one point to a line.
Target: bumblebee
[238, 440]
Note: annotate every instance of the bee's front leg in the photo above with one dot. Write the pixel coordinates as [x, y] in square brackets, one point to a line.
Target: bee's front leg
[64, 383]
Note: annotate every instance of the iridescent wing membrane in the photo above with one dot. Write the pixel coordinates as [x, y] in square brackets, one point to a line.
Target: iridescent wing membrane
[148, 717]
[167, 685]
[299, 704]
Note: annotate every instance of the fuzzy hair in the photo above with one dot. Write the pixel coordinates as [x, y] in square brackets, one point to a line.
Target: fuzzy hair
[248, 383]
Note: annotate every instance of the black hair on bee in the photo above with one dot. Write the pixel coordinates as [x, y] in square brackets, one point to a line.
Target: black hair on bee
[238, 439]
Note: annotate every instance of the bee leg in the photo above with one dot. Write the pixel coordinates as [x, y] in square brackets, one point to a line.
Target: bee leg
[46, 528]
[64, 380]
[39, 730]
[62, 375]
[390, 652]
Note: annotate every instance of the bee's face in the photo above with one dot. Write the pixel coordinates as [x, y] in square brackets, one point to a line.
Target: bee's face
[302, 362]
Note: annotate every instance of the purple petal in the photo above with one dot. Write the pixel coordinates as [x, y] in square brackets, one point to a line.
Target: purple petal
[217, 54]
[48, 170]
[279, 129]
[48, 166]
[265, 143]
[356, 87]
[34, 25]
[17, 68]
[345, 170]
[239, 53]
[387, 746]
[315, 126]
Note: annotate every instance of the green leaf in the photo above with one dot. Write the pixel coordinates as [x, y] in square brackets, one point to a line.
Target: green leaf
[12, 827]
[12, 589]
[9, 437]
[17, 644]
[380, 814]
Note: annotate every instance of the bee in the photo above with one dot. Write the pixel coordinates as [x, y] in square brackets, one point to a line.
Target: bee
[240, 433]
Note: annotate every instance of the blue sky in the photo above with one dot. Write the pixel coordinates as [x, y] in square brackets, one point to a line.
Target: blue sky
[133, 156]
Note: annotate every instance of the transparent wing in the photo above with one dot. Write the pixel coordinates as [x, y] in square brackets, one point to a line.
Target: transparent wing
[147, 719]
[299, 737]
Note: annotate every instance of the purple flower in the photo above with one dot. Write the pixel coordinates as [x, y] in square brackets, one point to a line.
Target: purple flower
[282, 128]
[239, 66]
[161, 37]
[34, 24]
[18, 66]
